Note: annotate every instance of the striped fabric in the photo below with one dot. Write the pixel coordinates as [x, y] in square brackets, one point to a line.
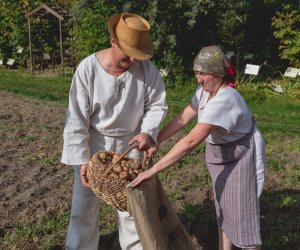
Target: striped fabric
[233, 173]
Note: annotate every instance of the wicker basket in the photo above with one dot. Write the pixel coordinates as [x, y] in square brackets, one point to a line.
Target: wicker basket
[106, 180]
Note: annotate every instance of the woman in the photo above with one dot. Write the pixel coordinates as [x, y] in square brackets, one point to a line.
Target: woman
[235, 150]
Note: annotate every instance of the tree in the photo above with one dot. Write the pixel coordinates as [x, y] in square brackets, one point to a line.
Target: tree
[179, 28]
[13, 25]
[286, 25]
[176, 32]
[14, 30]
[90, 30]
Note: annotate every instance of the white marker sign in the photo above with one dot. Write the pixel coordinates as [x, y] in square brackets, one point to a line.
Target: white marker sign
[252, 69]
[10, 62]
[291, 72]
[277, 88]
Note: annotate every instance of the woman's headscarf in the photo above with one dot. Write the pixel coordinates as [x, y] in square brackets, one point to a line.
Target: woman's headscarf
[211, 60]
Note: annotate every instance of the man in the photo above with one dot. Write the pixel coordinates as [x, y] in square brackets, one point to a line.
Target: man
[116, 96]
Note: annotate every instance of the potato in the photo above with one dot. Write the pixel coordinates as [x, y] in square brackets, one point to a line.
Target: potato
[125, 168]
[124, 175]
[115, 158]
[123, 162]
[102, 155]
[133, 165]
[117, 168]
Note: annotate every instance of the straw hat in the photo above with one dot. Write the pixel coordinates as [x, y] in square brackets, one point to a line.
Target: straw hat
[131, 33]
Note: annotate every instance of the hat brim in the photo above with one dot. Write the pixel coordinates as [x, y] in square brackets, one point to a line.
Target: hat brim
[144, 53]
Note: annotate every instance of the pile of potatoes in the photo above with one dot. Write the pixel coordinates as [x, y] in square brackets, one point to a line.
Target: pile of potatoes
[125, 168]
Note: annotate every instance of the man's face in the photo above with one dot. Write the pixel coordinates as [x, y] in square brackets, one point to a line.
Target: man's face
[121, 58]
[124, 60]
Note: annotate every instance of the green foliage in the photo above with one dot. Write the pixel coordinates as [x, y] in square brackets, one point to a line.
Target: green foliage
[92, 34]
[90, 28]
[13, 30]
[286, 26]
[176, 36]
[179, 30]
[230, 22]
[290, 87]
[44, 32]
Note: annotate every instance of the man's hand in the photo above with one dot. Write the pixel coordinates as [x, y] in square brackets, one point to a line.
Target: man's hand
[143, 140]
[83, 175]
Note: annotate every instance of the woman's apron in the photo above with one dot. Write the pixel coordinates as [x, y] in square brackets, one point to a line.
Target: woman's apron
[233, 172]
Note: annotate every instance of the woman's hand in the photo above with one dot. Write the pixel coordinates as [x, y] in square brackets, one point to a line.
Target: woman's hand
[152, 151]
[142, 177]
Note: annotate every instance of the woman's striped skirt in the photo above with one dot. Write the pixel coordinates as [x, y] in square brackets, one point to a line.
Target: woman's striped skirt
[233, 172]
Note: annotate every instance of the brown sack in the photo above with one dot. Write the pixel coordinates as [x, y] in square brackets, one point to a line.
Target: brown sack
[157, 223]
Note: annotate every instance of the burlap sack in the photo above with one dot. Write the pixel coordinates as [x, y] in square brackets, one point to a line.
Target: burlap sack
[157, 223]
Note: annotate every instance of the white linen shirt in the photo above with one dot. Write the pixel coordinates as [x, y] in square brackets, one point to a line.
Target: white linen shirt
[227, 110]
[104, 105]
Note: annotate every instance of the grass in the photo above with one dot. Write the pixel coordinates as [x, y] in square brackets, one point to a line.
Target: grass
[49, 230]
[36, 86]
[278, 118]
[273, 112]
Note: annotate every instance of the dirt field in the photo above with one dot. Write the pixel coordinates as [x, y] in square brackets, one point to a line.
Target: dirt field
[34, 183]
[31, 136]
[30, 142]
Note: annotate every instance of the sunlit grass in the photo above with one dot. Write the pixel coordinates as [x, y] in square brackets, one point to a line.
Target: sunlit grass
[36, 86]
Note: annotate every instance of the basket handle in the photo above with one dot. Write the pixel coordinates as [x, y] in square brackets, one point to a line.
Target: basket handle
[145, 160]
[127, 151]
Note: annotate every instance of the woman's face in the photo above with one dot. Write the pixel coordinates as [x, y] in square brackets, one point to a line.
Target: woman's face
[210, 83]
